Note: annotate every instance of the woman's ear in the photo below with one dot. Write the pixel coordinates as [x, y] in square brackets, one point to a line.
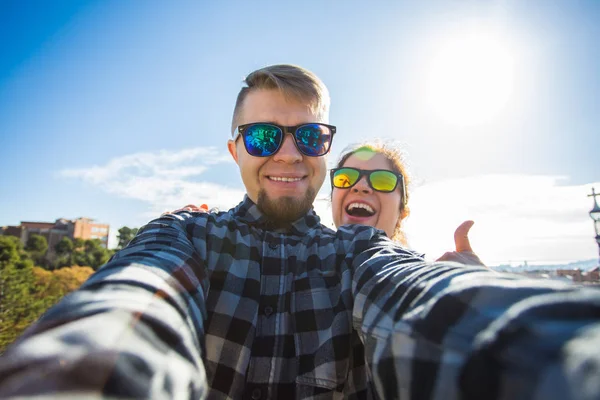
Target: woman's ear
[404, 211]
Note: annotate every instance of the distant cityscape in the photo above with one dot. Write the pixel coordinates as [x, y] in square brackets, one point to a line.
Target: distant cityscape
[80, 228]
[585, 271]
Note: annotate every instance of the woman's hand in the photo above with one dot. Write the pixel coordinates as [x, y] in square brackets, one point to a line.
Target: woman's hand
[190, 208]
[464, 253]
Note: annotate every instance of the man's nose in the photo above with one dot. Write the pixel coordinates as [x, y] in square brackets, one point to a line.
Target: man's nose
[362, 186]
[288, 152]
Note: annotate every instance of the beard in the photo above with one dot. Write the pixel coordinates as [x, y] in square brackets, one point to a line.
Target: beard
[285, 210]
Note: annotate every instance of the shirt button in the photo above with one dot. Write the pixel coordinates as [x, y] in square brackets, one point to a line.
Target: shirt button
[268, 311]
[272, 246]
[256, 394]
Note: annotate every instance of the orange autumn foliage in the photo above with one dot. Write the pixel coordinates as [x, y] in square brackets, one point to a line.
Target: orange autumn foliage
[61, 281]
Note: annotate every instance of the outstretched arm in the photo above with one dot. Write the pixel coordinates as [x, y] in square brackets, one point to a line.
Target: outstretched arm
[134, 329]
[446, 331]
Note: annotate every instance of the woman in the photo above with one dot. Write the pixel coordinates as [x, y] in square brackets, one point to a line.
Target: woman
[370, 187]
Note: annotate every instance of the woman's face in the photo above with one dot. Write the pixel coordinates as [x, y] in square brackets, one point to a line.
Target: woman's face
[362, 205]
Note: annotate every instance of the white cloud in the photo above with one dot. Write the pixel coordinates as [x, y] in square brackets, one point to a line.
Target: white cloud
[517, 218]
[165, 180]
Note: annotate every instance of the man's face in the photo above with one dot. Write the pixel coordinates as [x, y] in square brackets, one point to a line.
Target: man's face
[285, 184]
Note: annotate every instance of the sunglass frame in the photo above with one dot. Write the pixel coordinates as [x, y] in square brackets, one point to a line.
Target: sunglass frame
[241, 129]
[368, 173]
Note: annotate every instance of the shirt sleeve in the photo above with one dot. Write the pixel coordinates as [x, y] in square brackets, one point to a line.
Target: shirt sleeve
[133, 330]
[446, 331]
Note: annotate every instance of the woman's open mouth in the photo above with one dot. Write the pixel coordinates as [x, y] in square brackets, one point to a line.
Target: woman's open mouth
[360, 210]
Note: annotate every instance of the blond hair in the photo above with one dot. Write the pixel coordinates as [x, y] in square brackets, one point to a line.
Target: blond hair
[293, 81]
[396, 159]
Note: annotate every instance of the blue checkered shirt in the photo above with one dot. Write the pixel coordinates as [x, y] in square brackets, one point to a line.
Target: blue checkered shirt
[225, 306]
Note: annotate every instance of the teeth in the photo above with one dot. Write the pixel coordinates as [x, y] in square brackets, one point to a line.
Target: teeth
[284, 179]
[361, 205]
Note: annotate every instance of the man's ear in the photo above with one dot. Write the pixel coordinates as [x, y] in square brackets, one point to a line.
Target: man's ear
[232, 150]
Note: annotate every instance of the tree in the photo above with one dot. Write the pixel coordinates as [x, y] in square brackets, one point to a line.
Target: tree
[37, 243]
[65, 246]
[16, 283]
[96, 254]
[27, 292]
[18, 309]
[37, 246]
[126, 234]
[61, 281]
[91, 254]
[78, 243]
[64, 252]
[9, 249]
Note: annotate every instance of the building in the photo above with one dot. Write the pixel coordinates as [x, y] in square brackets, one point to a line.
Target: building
[81, 228]
[577, 275]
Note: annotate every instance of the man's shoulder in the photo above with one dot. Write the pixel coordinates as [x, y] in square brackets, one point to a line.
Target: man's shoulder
[191, 221]
[323, 230]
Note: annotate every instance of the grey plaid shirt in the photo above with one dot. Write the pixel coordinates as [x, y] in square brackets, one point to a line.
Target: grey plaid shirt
[224, 306]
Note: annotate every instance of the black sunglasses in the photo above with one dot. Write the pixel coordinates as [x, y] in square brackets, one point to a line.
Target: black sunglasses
[381, 180]
[263, 139]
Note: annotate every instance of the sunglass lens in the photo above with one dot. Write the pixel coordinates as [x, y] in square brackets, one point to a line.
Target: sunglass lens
[313, 139]
[262, 140]
[384, 181]
[345, 177]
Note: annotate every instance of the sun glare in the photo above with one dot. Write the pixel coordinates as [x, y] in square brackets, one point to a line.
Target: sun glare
[470, 79]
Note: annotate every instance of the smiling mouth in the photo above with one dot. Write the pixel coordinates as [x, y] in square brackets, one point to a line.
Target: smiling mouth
[360, 210]
[284, 179]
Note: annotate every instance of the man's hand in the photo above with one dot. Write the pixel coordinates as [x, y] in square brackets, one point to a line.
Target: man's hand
[464, 253]
[190, 208]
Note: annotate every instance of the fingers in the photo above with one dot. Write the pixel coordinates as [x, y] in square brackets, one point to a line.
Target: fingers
[189, 208]
[461, 237]
[464, 253]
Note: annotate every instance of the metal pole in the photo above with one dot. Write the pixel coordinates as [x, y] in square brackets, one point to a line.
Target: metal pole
[595, 215]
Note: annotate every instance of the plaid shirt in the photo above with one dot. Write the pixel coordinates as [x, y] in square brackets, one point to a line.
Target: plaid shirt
[223, 306]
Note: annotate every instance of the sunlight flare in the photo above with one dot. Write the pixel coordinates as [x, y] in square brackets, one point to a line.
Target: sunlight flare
[470, 78]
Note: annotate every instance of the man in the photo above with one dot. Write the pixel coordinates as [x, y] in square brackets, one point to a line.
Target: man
[264, 302]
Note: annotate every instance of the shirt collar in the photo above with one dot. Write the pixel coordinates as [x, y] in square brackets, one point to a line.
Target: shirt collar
[248, 212]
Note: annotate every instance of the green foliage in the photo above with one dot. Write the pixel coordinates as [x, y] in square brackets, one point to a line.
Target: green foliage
[64, 253]
[78, 243]
[81, 252]
[37, 246]
[37, 243]
[23, 296]
[91, 253]
[20, 303]
[10, 248]
[65, 246]
[126, 234]
[26, 292]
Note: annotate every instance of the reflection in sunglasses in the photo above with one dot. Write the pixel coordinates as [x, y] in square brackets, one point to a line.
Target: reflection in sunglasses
[342, 181]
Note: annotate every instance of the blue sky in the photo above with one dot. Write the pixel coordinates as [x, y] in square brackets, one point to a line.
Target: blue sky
[119, 110]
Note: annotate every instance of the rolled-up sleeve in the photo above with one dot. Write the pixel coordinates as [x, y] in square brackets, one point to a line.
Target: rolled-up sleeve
[133, 330]
[445, 331]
